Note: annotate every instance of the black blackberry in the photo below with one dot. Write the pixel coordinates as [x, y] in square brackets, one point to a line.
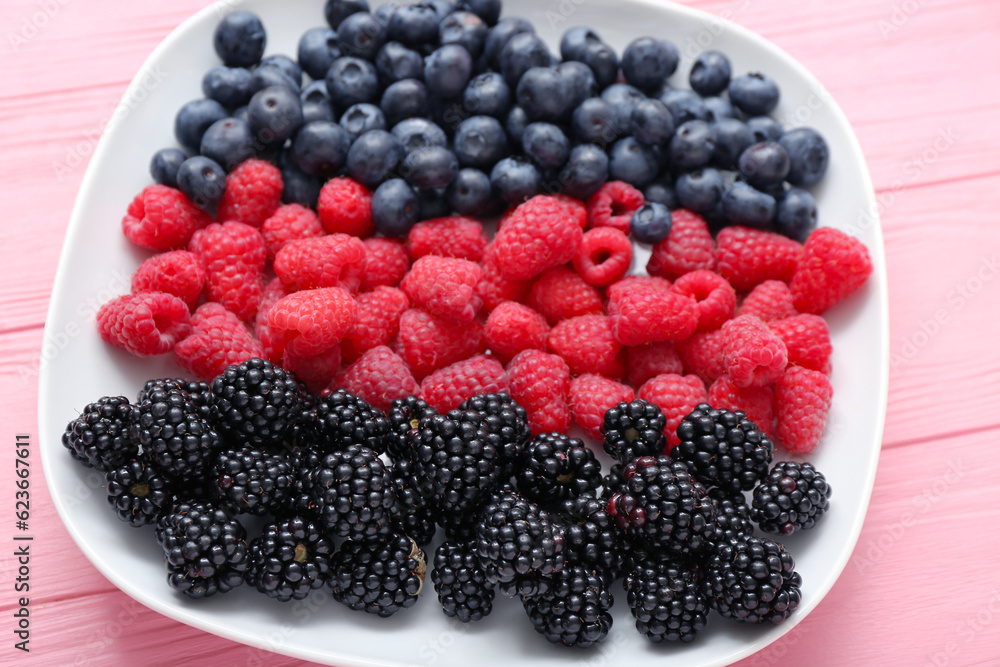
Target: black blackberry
[613, 482]
[663, 508]
[461, 583]
[341, 419]
[205, 549]
[173, 436]
[459, 527]
[289, 559]
[732, 515]
[752, 580]
[556, 467]
[592, 537]
[505, 418]
[252, 480]
[666, 599]
[352, 494]
[575, 610]
[404, 416]
[255, 403]
[634, 429]
[792, 497]
[723, 449]
[139, 493]
[412, 512]
[100, 437]
[302, 460]
[379, 578]
[200, 392]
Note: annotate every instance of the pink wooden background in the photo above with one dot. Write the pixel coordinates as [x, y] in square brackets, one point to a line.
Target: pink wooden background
[920, 82]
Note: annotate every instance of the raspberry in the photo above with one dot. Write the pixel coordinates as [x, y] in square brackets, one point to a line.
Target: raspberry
[345, 207]
[539, 382]
[590, 396]
[233, 255]
[647, 314]
[162, 218]
[605, 256]
[628, 282]
[253, 193]
[588, 346]
[702, 355]
[327, 261]
[756, 402]
[386, 262]
[144, 324]
[445, 287]
[218, 340]
[613, 205]
[494, 289]
[289, 223]
[770, 300]
[748, 257]
[311, 322]
[512, 328]
[574, 209]
[689, 247]
[446, 388]
[274, 291]
[753, 354]
[802, 402]
[317, 371]
[178, 273]
[538, 236]
[378, 321]
[379, 376]
[807, 339]
[456, 236]
[646, 361]
[833, 266]
[428, 343]
[676, 396]
[715, 298]
[561, 293]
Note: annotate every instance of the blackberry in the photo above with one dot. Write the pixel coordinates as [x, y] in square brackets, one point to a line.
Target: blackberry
[613, 482]
[723, 449]
[752, 580]
[732, 515]
[379, 578]
[99, 438]
[792, 497]
[139, 493]
[352, 493]
[666, 600]
[634, 429]
[172, 434]
[200, 392]
[461, 584]
[252, 481]
[289, 559]
[459, 527]
[205, 549]
[575, 610]
[341, 419]
[404, 416]
[411, 512]
[302, 460]
[505, 418]
[556, 467]
[255, 402]
[592, 537]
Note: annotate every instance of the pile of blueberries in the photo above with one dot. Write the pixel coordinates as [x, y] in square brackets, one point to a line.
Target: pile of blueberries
[442, 107]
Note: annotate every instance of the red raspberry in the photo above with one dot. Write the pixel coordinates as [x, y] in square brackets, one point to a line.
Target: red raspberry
[645, 313]
[218, 340]
[807, 338]
[689, 247]
[345, 207]
[702, 355]
[162, 218]
[590, 396]
[756, 402]
[310, 322]
[574, 209]
[317, 371]
[646, 361]
[802, 402]
[428, 343]
[445, 287]
[456, 236]
[753, 354]
[715, 297]
[770, 300]
[144, 324]
[676, 396]
[628, 282]
[539, 382]
[380, 376]
[513, 328]
[613, 206]
[378, 321]
[274, 291]
[445, 389]
[327, 261]
[289, 223]
[385, 264]
[561, 293]
[748, 257]
[538, 236]
[253, 193]
[588, 346]
[604, 257]
[179, 273]
[233, 255]
[833, 266]
[494, 289]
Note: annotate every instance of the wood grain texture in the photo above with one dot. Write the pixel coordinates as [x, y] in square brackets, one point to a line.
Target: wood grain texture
[919, 82]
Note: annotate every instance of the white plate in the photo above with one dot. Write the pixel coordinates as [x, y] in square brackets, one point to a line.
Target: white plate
[97, 260]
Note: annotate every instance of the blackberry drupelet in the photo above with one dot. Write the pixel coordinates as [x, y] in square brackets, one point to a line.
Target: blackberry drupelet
[341, 419]
[723, 449]
[139, 493]
[752, 580]
[613, 482]
[302, 460]
[666, 600]
[732, 515]
[379, 578]
[205, 549]
[556, 467]
[404, 416]
[575, 610]
[634, 429]
[173, 436]
[461, 583]
[100, 437]
[289, 559]
[252, 480]
[459, 527]
[200, 392]
[352, 494]
[255, 403]
[411, 512]
[592, 537]
[792, 497]
[505, 418]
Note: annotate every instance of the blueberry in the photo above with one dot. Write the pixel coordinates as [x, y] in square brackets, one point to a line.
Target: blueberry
[700, 190]
[732, 137]
[543, 94]
[796, 216]
[471, 193]
[286, 65]
[316, 93]
[651, 223]
[361, 35]
[318, 48]
[710, 73]
[352, 81]
[384, 12]
[447, 70]
[202, 181]
[395, 208]
[717, 108]
[576, 41]
[164, 165]
[580, 82]
[743, 205]
[275, 115]
[661, 192]
[692, 145]
[522, 52]
[465, 29]
[433, 203]
[480, 142]
[239, 39]
[299, 188]
[443, 8]
[632, 162]
[808, 153]
[228, 142]
[312, 111]
[765, 128]
[414, 25]
[487, 10]
[685, 105]
[546, 145]
[373, 157]
[362, 118]
[267, 76]
[229, 86]
[516, 180]
[622, 97]
[320, 148]
[754, 94]
[585, 171]
[500, 34]
[243, 113]
[516, 121]
[487, 95]
[595, 121]
[405, 99]
[603, 62]
[430, 167]
[652, 123]
[764, 165]
[338, 10]
[416, 133]
[648, 62]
